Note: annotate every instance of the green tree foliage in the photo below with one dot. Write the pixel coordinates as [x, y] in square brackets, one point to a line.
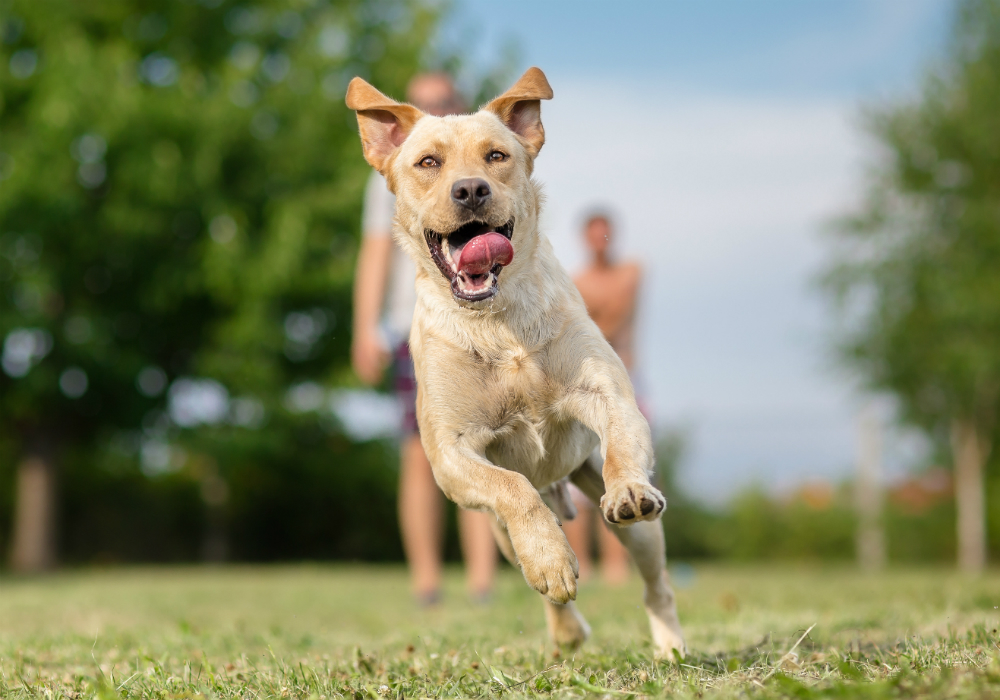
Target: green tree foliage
[180, 189]
[916, 269]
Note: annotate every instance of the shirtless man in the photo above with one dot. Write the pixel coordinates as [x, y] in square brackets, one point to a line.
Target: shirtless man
[610, 290]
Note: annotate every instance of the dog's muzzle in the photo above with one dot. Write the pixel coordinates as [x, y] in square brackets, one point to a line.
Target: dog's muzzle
[471, 257]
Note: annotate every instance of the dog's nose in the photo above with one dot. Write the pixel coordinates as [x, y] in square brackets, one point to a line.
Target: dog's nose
[471, 193]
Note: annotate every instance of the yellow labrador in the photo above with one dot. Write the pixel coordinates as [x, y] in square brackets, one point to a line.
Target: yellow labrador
[517, 388]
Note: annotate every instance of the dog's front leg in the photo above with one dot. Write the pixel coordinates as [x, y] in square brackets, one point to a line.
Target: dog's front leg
[540, 547]
[626, 446]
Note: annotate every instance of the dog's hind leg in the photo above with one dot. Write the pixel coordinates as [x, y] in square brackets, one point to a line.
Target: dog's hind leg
[644, 541]
[567, 627]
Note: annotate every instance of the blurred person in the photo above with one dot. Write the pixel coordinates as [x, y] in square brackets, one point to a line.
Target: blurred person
[610, 290]
[384, 299]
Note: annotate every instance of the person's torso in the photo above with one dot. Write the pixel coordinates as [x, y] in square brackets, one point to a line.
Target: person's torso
[610, 295]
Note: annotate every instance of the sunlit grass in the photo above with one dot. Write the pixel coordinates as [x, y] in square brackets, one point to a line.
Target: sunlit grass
[353, 631]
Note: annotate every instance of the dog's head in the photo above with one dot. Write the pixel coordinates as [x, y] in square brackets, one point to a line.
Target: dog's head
[464, 195]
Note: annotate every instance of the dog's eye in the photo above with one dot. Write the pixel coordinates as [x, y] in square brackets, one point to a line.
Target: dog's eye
[497, 157]
[428, 162]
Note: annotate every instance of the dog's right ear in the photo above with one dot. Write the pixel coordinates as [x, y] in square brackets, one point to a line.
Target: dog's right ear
[384, 123]
[519, 108]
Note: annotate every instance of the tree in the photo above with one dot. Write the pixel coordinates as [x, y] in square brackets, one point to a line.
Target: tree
[916, 270]
[179, 198]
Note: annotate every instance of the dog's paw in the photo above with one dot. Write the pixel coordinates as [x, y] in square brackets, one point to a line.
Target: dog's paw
[548, 562]
[554, 576]
[624, 504]
[668, 643]
[567, 627]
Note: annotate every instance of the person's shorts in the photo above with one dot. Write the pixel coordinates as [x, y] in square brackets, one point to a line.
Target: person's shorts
[405, 386]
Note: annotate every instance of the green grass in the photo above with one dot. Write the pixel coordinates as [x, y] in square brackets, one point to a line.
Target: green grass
[351, 631]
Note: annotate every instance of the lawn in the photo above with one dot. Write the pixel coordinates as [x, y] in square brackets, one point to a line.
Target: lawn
[352, 631]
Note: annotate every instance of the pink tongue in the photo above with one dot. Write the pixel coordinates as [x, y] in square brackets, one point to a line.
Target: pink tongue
[483, 252]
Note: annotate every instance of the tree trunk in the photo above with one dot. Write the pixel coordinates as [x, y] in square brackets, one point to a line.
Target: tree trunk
[870, 538]
[34, 536]
[969, 453]
[215, 494]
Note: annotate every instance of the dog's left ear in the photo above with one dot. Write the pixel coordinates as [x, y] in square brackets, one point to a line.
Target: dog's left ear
[384, 123]
[519, 108]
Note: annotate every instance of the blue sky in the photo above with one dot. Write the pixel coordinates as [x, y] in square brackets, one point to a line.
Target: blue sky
[847, 48]
[725, 136]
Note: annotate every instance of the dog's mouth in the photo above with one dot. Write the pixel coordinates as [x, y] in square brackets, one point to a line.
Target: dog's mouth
[471, 257]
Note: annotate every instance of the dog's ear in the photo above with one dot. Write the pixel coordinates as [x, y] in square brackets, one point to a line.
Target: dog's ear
[519, 108]
[384, 123]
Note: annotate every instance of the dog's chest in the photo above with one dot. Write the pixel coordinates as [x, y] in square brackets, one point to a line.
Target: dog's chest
[530, 436]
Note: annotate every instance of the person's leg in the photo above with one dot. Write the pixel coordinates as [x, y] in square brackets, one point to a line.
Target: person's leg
[578, 530]
[479, 551]
[614, 556]
[420, 515]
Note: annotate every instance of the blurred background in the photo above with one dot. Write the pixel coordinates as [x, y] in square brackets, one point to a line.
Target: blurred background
[813, 190]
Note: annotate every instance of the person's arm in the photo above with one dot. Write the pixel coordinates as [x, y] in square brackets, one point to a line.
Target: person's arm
[368, 354]
[635, 287]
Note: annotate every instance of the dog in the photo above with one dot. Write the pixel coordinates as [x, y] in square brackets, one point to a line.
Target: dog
[517, 389]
